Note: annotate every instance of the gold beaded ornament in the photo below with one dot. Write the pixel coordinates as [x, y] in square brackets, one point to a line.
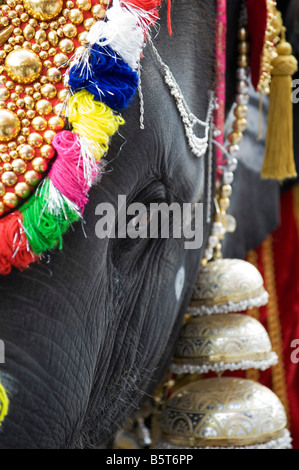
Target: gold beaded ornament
[37, 40]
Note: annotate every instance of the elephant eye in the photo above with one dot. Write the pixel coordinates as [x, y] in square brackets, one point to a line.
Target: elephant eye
[140, 221]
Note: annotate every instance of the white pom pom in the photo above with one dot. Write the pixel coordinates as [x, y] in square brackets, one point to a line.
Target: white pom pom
[121, 32]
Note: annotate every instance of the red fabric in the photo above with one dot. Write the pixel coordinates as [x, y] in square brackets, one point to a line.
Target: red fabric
[257, 22]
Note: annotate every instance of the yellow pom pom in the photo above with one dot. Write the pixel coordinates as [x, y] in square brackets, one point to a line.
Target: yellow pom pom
[93, 120]
[4, 403]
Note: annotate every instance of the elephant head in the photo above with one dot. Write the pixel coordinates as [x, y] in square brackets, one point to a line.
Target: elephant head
[90, 331]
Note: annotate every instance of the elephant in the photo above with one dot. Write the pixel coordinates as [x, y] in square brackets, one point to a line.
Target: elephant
[90, 330]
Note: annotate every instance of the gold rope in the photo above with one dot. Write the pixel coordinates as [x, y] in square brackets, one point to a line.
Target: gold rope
[273, 323]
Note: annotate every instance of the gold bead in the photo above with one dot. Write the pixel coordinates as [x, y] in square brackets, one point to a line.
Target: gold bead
[20, 39]
[17, 31]
[19, 166]
[3, 148]
[54, 75]
[53, 38]
[60, 32]
[83, 37]
[226, 190]
[44, 25]
[20, 103]
[43, 9]
[39, 164]
[9, 125]
[45, 45]
[25, 131]
[14, 96]
[66, 46]
[29, 32]
[47, 151]
[52, 51]
[29, 102]
[59, 109]
[66, 12]
[48, 91]
[244, 48]
[89, 23]
[62, 21]
[32, 178]
[16, 21]
[242, 34]
[43, 55]
[35, 140]
[5, 157]
[241, 111]
[27, 45]
[2, 189]
[12, 15]
[240, 125]
[43, 107]
[21, 113]
[5, 8]
[9, 178]
[56, 123]
[48, 64]
[5, 21]
[60, 60]
[4, 94]
[235, 138]
[29, 90]
[8, 48]
[54, 25]
[22, 190]
[12, 145]
[10, 200]
[21, 140]
[26, 152]
[63, 95]
[243, 61]
[98, 12]
[30, 114]
[12, 41]
[36, 48]
[13, 154]
[36, 96]
[24, 17]
[39, 123]
[7, 167]
[19, 8]
[76, 16]
[48, 136]
[70, 30]
[84, 5]
[40, 36]
[70, 4]
[23, 66]
[2, 55]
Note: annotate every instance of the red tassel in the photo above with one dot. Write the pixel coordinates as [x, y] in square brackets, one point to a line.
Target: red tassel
[15, 250]
[169, 17]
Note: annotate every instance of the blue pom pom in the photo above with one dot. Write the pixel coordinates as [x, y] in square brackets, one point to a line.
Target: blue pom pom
[108, 78]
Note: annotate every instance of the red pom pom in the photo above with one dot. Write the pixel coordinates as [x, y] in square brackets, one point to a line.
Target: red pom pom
[15, 250]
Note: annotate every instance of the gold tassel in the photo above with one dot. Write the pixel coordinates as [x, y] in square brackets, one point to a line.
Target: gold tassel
[279, 155]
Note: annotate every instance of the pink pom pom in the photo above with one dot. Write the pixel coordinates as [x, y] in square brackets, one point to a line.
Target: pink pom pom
[72, 172]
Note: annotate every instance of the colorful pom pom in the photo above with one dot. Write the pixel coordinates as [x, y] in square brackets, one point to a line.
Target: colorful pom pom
[74, 170]
[44, 223]
[4, 404]
[93, 120]
[107, 77]
[15, 250]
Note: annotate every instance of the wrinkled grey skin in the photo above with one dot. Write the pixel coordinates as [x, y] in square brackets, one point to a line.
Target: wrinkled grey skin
[89, 334]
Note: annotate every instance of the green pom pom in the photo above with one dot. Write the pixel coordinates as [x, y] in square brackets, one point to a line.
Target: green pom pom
[47, 218]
